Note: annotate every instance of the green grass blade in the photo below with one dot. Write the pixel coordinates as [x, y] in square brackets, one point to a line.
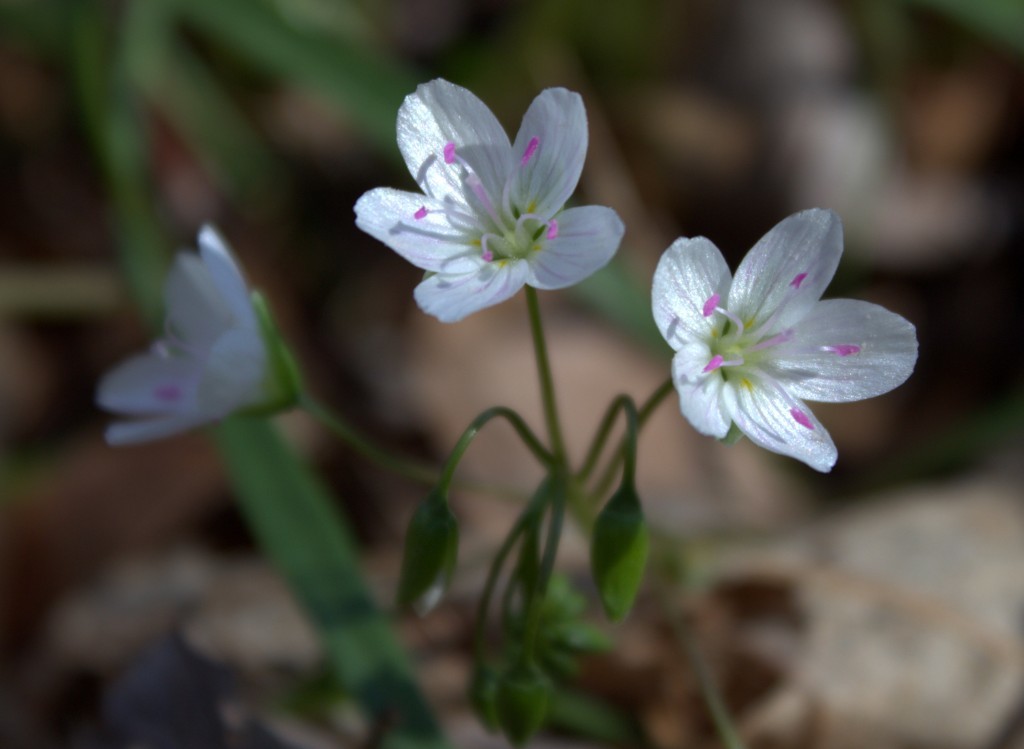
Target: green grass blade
[291, 515]
[365, 85]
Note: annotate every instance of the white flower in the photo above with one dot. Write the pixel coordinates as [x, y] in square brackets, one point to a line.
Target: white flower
[751, 348]
[491, 217]
[217, 356]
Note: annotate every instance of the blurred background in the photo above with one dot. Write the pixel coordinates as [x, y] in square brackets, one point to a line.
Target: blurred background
[881, 605]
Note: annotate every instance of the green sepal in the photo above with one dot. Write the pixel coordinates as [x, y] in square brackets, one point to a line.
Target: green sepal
[733, 436]
[431, 550]
[283, 385]
[618, 552]
[483, 695]
[524, 693]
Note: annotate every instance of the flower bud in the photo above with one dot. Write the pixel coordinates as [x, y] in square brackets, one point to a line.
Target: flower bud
[483, 695]
[618, 552]
[522, 701]
[431, 547]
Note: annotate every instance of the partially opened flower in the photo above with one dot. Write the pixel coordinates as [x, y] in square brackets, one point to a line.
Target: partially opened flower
[751, 348]
[491, 216]
[220, 354]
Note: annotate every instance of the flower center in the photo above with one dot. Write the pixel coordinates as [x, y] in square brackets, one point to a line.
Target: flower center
[501, 229]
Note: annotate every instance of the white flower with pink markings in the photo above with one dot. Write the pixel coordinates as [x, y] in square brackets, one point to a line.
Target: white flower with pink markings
[220, 354]
[751, 348]
[491, 217]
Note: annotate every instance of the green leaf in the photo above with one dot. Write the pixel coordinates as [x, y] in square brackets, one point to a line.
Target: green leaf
[367, 86]
[292, 517]
[1001, 21]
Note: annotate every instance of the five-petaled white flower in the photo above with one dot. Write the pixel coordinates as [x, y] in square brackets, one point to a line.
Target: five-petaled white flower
[218, 355]
[751, 348]
[491, 217]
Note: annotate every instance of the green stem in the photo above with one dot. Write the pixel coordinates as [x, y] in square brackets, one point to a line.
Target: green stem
[642, 415]
[709, 689]
[524, 520]
[547, 388]
[547, 565]
[412, 470]
[517, 423]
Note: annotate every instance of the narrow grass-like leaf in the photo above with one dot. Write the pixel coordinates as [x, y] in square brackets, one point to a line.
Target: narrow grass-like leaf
[291, 516]
[365, 85]
[1000, 21]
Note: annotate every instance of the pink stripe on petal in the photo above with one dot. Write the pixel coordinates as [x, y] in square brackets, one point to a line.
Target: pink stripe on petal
[710, 304]
[844, 349]
[797, 280]
[715, 363]
[531, 149]
[167, 393]
[801, 418]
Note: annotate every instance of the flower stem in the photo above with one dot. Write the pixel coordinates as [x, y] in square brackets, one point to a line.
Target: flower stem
[410, 469]
[513, 418]
[643, 414]
[547, 388]
[547, 565]
[709, 689]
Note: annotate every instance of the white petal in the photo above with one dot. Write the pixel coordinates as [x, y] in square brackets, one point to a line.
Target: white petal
[149, 384]
[440, 113]
[430, 243]
[235, 372]
[196, 313]
[557, 120]
[700, 397]
[772, 419]
[226, 276]
[787, 271]
[587, 239]
[147, 430]
[450, 298]
[689, 273]
[820, 363]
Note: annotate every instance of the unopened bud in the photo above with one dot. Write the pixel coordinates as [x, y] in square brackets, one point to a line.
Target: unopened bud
[483, 695]
[522, 701]
[431, 548]
[618, 552]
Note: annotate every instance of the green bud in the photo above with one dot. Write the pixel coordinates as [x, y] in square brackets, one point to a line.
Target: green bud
[522, 701]
[431, 548]
[618, 552]
[283, 385]
[483, 695]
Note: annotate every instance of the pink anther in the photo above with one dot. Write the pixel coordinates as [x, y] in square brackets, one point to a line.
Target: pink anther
[167, 393]
[449, 153]
[797, 280]
[715, 363]
[531, 149]
[844, 349]
[711, 304]
[801, 418]
[552, 226]
[421, 213]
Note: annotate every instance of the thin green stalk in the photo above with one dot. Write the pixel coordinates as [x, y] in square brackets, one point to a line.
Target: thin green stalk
[547, 388]
[484, 604]
[642, 415]
[517, 423]
[709, 689]
[413, 470]
[547, 565]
